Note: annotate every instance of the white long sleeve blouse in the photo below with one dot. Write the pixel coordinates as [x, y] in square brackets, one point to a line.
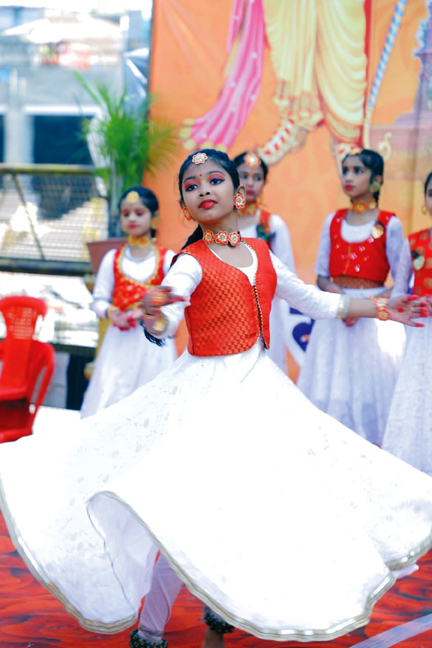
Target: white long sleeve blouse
[186, 274]
[404, 271]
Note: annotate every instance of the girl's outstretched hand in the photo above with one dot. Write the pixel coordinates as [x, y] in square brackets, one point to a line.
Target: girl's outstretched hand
[406, 308]
[154, 320]
[157, 298]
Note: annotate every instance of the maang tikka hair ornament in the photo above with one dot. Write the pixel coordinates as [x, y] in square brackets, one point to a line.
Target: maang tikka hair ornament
[132, 197]
[345, 149]
[252, 160]
[239, 201]
[199, 158]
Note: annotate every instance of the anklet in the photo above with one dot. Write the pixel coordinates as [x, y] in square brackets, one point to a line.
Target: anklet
[217, 625]
[136, 641]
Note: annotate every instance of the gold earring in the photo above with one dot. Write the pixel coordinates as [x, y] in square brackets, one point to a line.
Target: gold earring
[187, 214]
[374, 187]
[424, 209]
[154, 224]
[239, 201]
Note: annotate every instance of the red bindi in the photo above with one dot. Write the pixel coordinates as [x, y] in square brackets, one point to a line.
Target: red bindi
[200, 175]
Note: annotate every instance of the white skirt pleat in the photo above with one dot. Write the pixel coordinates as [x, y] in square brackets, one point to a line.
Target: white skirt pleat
[351, 372]
[408, 433]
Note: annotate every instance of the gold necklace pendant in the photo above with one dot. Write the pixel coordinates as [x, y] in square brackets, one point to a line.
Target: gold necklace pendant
[377, 231]
[418, 261]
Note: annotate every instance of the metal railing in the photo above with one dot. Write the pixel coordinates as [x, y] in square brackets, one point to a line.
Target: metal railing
[47, 214]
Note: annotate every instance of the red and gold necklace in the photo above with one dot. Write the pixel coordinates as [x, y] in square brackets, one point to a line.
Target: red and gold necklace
[139, 241]
[250, 210]
[222, 238]
[361, 207]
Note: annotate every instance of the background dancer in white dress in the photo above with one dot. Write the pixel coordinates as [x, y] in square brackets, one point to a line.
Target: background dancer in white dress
[351, 366]
[256, 221]
[126, 359]
[408, 433]
[241, 474]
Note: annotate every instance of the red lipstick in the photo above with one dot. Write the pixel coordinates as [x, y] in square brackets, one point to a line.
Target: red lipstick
[207, 204]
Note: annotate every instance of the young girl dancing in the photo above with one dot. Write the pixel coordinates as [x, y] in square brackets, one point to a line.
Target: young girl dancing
[408, 433]
[351, 367]
[127, 360]
[256, 222]
[195, 464]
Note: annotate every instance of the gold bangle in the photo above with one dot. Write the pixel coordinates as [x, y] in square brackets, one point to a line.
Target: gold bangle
[158, 323]
[344, 305]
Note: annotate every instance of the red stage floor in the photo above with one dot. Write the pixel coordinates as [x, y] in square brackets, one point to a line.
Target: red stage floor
[31, 617]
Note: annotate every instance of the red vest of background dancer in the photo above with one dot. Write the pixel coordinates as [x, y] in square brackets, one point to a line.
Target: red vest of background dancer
[227, 314]
[366, 259]
[128, 292]
[263, 226]
[421, 252]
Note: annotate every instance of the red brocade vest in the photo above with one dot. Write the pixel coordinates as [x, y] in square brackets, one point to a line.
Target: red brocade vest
[421, 252]
[227, 314]
[366, 259]
[128, 292]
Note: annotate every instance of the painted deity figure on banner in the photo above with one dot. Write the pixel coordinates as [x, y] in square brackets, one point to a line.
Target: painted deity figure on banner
[319, 56]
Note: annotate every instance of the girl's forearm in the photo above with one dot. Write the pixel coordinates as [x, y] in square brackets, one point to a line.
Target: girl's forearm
[362, 308]
[324, 283]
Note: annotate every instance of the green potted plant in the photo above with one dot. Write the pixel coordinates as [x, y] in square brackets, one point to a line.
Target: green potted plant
[125, 142]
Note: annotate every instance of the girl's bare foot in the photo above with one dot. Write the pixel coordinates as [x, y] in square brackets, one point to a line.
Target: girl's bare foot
[213, 639]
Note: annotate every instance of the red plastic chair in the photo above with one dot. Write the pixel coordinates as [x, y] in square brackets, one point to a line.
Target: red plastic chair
[17, 416]
[23, 360]
[20, 314]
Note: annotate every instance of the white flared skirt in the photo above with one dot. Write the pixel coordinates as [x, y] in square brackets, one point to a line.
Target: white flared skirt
[126, 361]
[274, 514]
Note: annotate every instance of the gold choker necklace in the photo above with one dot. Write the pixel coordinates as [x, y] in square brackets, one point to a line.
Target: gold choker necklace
[249, 210]
[138, 241]
[361, 207]
[222, 238]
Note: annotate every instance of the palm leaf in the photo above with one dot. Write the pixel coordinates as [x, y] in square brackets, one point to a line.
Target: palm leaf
[128, 141]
